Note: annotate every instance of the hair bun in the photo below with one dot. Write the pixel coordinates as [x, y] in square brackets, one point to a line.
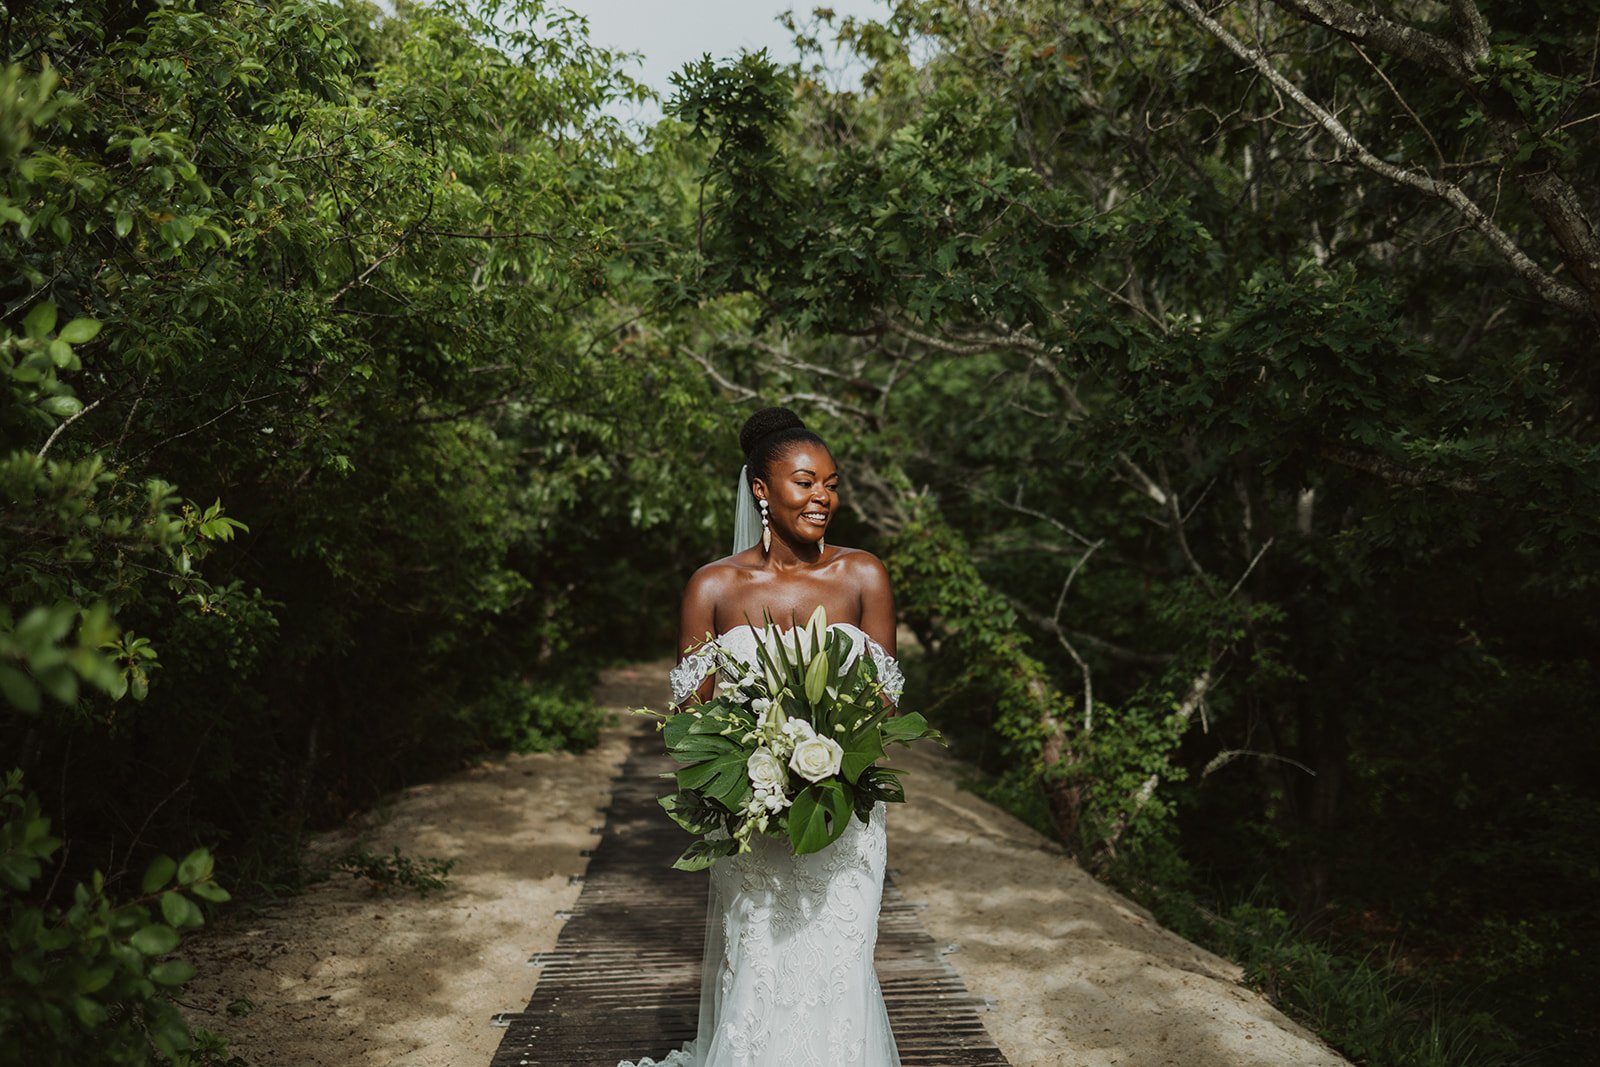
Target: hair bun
[764, 422]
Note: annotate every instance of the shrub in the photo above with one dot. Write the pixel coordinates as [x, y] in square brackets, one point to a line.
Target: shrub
[94, 982]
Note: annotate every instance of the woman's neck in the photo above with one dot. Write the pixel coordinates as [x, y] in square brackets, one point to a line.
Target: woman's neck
[784, 556]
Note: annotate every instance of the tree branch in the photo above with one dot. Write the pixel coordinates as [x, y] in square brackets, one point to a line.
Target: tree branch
[1386, 35]
[1390, 471]
[738, 392]
[1061, 637]
[1565, 296]
[68, 421]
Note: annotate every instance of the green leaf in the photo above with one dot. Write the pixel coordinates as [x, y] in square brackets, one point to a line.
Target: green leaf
[124, 224]
[903, 729]
[180, 912]
[196, 867]
[168, 1031]
[861, 752]
[702, 854]
[18, 872]
[723, 779]
[172, 972]
[155, 939]
[882, 783]
[676, 728]
[211, 892]
[696, 747]
[59, 682]
[690, 812]
[62, 407]
[158, 874]
[818, 816]
[90, 1012]
[96, 978]
[40, 321]
[19, 689]
[78, 331]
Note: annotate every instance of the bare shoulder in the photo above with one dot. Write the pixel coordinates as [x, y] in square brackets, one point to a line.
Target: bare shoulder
[710, 579]
[716, 577]
[870, 578]
[864, 569]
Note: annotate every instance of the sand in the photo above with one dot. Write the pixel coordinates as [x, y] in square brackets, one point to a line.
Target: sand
[342, 976]
[1078, 974]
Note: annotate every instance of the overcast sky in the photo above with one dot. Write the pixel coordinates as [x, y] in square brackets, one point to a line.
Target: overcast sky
[670, 33]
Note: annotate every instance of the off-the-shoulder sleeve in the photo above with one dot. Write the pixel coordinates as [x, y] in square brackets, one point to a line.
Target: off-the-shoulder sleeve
[690, 672]
[894, 682]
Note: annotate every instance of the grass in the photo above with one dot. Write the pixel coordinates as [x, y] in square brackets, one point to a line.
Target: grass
[1366, 1006]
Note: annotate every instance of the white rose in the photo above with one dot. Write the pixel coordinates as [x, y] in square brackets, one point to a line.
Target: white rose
[765, 770]
[816, 757]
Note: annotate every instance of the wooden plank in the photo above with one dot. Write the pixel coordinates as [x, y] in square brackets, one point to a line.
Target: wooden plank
[624, 978]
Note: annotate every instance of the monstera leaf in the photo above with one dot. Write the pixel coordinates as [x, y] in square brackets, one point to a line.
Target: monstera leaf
[819, 815]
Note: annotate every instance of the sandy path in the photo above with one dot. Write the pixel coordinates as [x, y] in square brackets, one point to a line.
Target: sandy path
[340, 977]
[1079, 974]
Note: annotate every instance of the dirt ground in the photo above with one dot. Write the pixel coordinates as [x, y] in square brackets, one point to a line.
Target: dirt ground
[1079, 975]
[344, 977]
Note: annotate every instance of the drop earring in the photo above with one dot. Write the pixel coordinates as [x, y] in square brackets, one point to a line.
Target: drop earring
[766, 528]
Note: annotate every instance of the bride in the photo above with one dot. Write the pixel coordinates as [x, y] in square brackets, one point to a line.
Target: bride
[788, 979]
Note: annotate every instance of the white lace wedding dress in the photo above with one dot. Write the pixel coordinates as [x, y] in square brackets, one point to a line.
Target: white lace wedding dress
[788, 979]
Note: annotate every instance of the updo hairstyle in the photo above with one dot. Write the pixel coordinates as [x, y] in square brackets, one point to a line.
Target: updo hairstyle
[767, 435]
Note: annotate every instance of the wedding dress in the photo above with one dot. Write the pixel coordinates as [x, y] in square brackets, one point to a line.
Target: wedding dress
[788, 978]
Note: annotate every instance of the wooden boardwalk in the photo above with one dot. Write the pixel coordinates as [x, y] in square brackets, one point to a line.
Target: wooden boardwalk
[623, 980]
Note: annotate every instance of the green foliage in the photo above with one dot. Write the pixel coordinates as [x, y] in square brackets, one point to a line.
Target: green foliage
[1369, 1007]
[318, 442]
[94, 981]
[1242, 497]
[538, 717]
[364, 388]
[422, 875]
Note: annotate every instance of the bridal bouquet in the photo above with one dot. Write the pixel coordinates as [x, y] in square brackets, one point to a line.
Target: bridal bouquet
[787, 747]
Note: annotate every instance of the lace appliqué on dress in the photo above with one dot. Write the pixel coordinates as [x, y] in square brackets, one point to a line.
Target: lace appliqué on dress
[691, 671]
[677, 1058]
[894, 682]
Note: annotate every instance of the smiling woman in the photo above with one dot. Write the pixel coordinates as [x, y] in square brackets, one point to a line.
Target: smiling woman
[775, 438]
[792, 570]
[788, 974]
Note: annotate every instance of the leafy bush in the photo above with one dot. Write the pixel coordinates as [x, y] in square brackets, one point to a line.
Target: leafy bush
[1366, 1006]
[540, 716]
[93, 982]
[306, 440]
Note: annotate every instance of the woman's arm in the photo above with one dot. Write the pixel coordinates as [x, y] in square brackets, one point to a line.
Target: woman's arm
[877, 607]
[697, 619]
[877, 600]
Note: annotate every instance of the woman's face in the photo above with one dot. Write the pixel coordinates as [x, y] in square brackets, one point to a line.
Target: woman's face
[801, 493]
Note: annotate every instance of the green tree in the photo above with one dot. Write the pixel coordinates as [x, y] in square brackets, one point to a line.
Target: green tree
[1226, 484]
